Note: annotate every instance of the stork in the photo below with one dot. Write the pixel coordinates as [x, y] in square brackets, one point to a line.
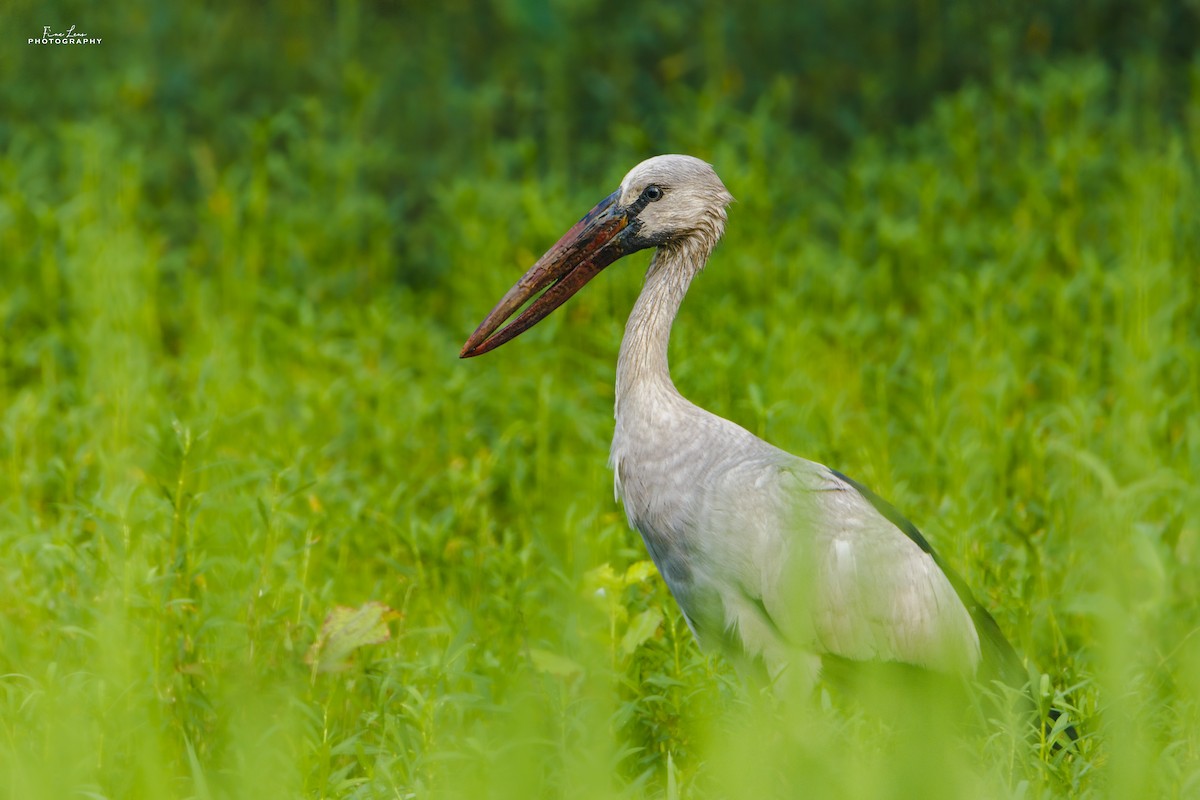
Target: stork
[774, 560]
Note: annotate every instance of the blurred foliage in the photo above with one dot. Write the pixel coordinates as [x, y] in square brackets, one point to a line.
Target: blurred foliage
[243, 245]
[415, 93]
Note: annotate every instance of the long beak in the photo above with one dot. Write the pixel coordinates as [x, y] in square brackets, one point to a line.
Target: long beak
[591, 245]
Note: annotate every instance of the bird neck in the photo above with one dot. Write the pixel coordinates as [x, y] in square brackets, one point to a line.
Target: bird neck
[642, 367]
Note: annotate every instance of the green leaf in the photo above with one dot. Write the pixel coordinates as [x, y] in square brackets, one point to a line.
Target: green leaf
[601, 578]
[641, 628]
[347, 629]
[639, 571]
[554, 664]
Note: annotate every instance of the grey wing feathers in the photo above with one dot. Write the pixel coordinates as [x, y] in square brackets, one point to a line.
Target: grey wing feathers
[998, 658]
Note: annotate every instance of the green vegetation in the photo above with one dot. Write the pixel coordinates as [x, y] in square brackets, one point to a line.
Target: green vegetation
[242, 248]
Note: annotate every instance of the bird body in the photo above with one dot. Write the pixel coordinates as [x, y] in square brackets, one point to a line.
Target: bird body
[771, 557]
[775, 560]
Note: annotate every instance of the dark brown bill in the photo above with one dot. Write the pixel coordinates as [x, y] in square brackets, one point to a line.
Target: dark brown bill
[591, 245]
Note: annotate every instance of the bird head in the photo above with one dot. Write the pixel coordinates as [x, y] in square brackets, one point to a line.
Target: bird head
[677, 199]
[666, 201]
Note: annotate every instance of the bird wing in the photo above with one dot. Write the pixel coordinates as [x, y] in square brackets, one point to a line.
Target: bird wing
[859, 581]
[999, 659]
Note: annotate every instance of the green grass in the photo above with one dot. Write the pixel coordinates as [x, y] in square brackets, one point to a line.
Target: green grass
[212, 440]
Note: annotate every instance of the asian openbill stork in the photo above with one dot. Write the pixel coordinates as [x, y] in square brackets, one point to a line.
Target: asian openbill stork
[772, 558]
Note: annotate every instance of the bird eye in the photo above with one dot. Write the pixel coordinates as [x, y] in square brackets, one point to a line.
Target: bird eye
[652, 193]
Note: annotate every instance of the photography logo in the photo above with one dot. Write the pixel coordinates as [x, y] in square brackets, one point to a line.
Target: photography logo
[69, 38]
